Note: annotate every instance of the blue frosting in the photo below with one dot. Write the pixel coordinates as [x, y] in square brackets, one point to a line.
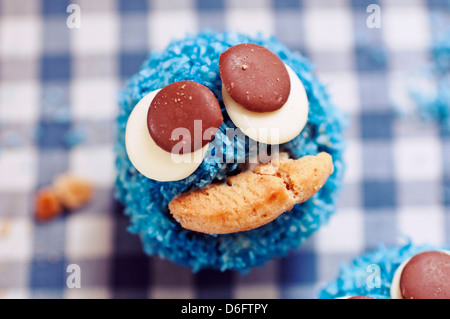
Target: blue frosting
[352, 278]
[196, 58]
[435, 107]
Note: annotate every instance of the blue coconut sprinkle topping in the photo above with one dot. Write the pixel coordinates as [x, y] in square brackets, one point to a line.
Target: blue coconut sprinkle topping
[434, 107]
[196, 58]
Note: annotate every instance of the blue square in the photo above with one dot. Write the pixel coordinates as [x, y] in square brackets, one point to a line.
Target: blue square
[55, 7]
[55, 67]
[209, 4]
[446, 194]
[438, 4]
[55, 36]
[211, 19]
[380, 226]
[447, 225]
[130, 63]
[444, 133]
[124, 242]
[287, 4]
[371, 58]
[48, 274]
[379, 194]
[376, 125]
[363, 4]
[299, 268]
[130, 272]
[213, 284]
[52, 135]
[377, 160]
[373, 92]
[133, 5]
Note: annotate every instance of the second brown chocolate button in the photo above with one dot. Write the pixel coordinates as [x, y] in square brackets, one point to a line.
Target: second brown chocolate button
[426, 276]
[255, 77]
[179, 105]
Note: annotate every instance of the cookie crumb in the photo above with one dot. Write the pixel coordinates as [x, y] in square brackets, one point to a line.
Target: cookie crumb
[48, 205]
[72, 191]
[5, 228]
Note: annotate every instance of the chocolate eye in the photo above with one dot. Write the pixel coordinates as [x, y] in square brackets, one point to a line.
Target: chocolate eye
[169, 130]
[263, 96]
[424, 276]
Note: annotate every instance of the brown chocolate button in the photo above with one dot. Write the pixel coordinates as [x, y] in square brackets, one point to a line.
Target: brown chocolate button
[178, 105]
[255, 77]
[426, 276]
[360, 297]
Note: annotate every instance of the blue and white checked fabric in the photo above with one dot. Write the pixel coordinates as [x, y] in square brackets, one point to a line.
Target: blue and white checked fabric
[58, 91]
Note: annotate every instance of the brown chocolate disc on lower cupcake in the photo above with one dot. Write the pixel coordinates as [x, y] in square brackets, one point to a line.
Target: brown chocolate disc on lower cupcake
[178, 106]
[255, 77]
[426, 276]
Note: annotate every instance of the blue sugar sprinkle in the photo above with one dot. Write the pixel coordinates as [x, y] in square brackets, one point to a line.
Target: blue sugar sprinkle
[75, 136]
[353, 278]
[435, 107]
[196, 58]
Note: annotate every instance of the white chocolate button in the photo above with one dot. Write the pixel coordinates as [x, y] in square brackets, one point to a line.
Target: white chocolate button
[147, 157]
[276, 127]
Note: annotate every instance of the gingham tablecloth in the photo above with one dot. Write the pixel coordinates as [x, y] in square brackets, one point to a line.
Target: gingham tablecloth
[58, 91]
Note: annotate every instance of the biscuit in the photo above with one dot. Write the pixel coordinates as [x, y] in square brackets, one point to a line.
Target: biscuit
[252, 198]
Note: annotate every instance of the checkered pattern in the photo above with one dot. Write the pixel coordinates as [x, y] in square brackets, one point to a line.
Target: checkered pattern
[58, 102]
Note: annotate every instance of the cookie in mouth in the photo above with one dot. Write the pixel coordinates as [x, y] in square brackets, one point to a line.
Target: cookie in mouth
[252, 198]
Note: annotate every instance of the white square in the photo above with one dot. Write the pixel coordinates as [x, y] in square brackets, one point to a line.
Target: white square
[328, 29]
[353, 161]
[19, 102]
[171, 292]
[15, 239]
[344, 233]
[95, 163]
[94, 98]
[418, 159]
[20, 36]
[14, 294]
[252, 19]
[405, 27]
[423, 225]
[18, 169]
[250, 286]
[257, 291]
[98, 34]
[88, 236]
[168, 25]
[172, 4]
[343, 90]
[87, 293]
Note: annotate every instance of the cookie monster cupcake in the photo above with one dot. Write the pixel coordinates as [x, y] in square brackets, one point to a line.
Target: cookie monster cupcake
[404, 272]
[229, 152]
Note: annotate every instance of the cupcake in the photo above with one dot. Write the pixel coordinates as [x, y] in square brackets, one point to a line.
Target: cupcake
[404, 272]
[228, 152]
